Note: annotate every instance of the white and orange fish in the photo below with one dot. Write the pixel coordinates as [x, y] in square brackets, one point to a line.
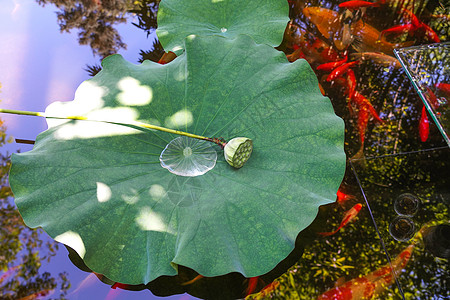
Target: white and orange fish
[371, 285]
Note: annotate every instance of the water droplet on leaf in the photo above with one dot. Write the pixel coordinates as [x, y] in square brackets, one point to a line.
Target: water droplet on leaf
[186, 156]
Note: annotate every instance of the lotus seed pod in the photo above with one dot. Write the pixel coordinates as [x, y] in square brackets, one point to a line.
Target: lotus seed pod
[237, 151]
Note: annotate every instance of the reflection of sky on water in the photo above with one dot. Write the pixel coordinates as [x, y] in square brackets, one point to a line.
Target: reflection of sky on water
[40, 65]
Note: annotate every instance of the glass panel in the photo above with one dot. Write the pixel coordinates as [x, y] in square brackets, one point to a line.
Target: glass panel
[428, 67]
[408, 196]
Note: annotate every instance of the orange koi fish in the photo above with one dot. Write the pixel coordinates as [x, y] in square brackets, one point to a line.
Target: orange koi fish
[326, 20]
[368, 40]
[322, 90]
[349, 216]
[167, 57]
[329, 24]
[424, 125]
[378, 58]
[367, 37]
[318, 51]
[267, 290]
[193, 280]
[373, 284]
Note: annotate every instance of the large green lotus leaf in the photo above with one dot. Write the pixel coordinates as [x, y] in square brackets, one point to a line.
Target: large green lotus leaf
[264, 20]
[100, 188]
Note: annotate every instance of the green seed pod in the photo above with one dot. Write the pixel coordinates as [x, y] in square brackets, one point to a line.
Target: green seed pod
[237, 151]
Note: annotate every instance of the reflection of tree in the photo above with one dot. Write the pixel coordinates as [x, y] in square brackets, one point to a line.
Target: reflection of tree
[154, 54]
[22, 250]
[95, 20]
[146, 14]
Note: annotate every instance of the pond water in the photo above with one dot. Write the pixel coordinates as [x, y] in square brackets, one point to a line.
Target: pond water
[397, 182]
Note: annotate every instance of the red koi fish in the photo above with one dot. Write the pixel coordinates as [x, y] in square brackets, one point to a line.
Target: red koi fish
[363, 102]
[363, 120]
[430, 34]
[411, 28]
[371, 285]
[252, 283]
[119, 285]
[341, 70]
[432, 98]
[328, 67]
[445, 87]
[351, 82]
[318, 51]
[114, 292]
[424, 125]
[343, 197]
[349, 216]
[357, 4]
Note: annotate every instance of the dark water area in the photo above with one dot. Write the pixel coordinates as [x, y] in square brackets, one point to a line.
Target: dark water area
[387, 235]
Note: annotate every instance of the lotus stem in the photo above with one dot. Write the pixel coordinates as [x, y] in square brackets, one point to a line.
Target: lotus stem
[219, 142]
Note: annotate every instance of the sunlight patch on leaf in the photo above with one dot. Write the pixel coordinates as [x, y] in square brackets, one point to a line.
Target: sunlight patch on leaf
[148, 220]
[73, 240]
[133, 93]
[157, 192]
[103, 192]
[91, 129]
[131, 199]
[182, 118]
[88, 97]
